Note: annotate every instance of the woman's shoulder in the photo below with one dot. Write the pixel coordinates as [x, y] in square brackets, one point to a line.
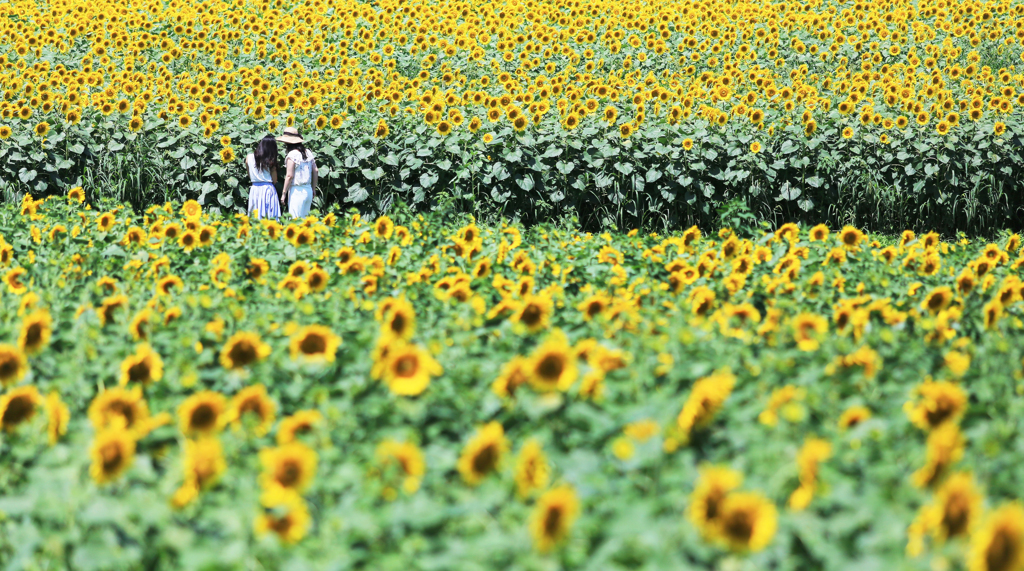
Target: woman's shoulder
[296, 155]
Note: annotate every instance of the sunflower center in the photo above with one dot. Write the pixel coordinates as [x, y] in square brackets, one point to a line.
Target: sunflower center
[943, 410]
[281, 525]
[398, 323]
[242, 353]
[597, 307]
[203, 417]
[251, 405]
[406, 366]
[112, 457]
[739, 526]
[711, 504]
[956, 515]
[553, 521]
[124, 410]
[8, 366]
[18, 410]
[139, 372]
[485, 460]
[532, 315]
[1001, 553]
[551, 367]
[33, 335]
[289, 473]
[313, 345]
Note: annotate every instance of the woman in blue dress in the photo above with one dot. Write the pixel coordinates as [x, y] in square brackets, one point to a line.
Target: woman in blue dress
[262, 163]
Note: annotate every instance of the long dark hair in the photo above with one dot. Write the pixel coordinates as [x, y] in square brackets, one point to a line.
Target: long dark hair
[289, 147]
[266, 154]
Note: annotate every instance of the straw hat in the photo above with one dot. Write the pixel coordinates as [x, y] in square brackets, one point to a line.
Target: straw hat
[291, 135]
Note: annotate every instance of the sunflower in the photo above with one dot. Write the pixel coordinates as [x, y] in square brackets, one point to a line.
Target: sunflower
[408, 368]
[202, 413]
[998, 545]
[203, 465]
[302, 422]
[188, 240]
[112, 452]
[714, 483]
[13, 280]
[57, 415]
[853, 416]
[406, 457]
[940, 402]
[812, 453]
[144, 366]
[125, 408]
[513, 375]
[254, 404]
[291, 466]
[747, 521]
[314, 344]
[850, 237]
[286, 515]
[552, 364]
[77, 194]
[242, 349]
[937, 299]
[399, 321]
[18, 406]
[383, 228]
[532, 469]
[317, 279]
[534, 313]
[167, 284]
[13, 364]
[483, 453]
[945, 447]
[553, 517]
[706, 397]
[258, 268]
[808, 328]
[593, 306]
[953, 512]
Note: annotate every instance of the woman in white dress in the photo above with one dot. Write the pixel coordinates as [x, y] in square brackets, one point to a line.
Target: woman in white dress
[301, 176]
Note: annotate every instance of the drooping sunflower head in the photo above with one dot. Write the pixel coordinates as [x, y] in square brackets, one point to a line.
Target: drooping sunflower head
[302, 422]
[853, 416]
[18, 406]
[553, 517]
[286, 515]
[483, 453]
[144, 366]
[13, 364]
[252, 407]
[113, 451]
[999, 544]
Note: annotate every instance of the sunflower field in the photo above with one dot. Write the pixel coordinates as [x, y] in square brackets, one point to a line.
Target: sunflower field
[889, 114]
[187, 390]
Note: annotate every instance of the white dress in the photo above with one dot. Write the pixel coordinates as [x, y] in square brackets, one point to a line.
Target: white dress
[300, 197]
[263, 200]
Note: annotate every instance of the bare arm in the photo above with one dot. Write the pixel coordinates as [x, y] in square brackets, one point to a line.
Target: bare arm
[315, 178]
[289, 177]
[273, 174]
